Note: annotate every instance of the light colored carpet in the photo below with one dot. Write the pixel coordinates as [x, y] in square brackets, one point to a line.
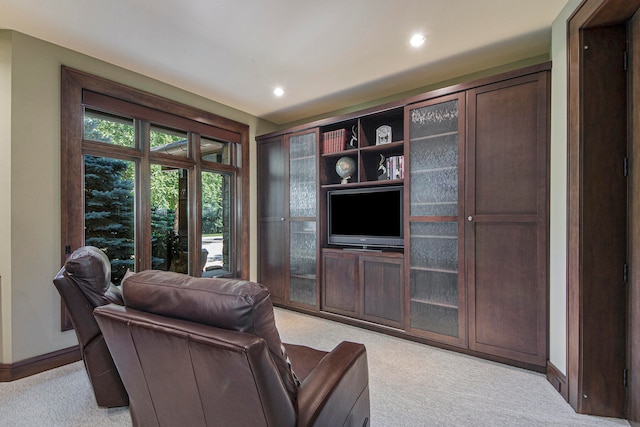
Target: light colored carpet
[411, 385]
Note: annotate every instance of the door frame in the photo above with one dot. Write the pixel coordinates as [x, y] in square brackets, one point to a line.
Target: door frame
[590, 14]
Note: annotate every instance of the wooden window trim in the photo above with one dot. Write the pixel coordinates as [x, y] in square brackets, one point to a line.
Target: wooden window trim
[102, 93]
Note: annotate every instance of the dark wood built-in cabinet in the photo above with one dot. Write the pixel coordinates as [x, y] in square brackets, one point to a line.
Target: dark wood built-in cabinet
[271, 212]
[287, 210]
[364, 285]
[302, 239]
[472, 274]
[507, 212]
[435, 156]
[360, 145]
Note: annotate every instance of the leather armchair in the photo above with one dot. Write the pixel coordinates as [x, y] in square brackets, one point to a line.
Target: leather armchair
[206, 352]
[85, 283]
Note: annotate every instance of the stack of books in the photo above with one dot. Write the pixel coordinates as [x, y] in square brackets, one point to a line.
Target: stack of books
[334, 141]
[393, 168]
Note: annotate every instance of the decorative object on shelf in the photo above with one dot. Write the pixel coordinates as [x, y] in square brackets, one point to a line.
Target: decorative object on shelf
[353, 142]
[383, 135]
[333, 141]
[395, 167]
[345, 168]
[391, 167]
[382, 169]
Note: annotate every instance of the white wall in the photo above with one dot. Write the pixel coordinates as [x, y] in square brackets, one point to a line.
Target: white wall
[558, 193]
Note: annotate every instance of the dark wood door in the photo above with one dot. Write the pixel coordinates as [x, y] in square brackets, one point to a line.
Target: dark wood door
[597, 139]
[340, 282]
[604, 216]
[382, 288]
[507, 218]
[272, 226]
[633, 392]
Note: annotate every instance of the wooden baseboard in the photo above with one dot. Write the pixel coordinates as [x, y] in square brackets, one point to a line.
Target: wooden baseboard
[558, 380]
[37, 364]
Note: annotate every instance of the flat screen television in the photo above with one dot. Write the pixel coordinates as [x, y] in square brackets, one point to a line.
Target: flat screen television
[366, 217]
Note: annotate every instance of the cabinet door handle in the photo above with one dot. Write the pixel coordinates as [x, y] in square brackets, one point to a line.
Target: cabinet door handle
[470, 218]
[281, 219]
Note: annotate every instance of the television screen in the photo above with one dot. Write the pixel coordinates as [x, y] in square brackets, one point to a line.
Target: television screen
[366, 217]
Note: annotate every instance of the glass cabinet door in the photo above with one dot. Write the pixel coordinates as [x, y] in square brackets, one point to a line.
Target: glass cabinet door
[302, 262]
[434, 277]
[302, 218]
[436, 140]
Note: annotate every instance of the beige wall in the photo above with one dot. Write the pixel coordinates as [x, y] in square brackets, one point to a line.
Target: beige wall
[558, 193]
[30, 175]
[5, 194]
[29, 258]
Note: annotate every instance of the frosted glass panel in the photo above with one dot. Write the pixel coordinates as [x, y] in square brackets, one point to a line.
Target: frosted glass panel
[302, 175]
[435, 153]
[434, 160]
[434, 192]
[302, 282]
[434, 277]
[435, 287]
[434, 119]
[438, 319]
[434, 245]
[303, 290]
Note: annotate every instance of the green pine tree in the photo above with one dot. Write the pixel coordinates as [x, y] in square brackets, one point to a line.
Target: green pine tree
[109, 211]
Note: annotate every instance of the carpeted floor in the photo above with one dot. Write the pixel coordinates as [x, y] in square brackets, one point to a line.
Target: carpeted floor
[411, 385]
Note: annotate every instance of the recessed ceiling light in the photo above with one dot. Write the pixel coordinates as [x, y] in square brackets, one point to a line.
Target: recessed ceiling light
[417, 40]
[278, 91]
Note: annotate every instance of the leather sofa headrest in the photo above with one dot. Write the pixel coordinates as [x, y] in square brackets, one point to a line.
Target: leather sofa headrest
[233, 304]
[89, 268]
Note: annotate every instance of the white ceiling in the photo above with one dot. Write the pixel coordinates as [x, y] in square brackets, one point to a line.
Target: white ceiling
[326, 54]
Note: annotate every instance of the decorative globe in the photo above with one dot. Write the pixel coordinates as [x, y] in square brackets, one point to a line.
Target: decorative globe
[345, 167]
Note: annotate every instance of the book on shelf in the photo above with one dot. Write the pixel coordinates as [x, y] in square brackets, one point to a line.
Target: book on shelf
[334, 141]
[393, 168]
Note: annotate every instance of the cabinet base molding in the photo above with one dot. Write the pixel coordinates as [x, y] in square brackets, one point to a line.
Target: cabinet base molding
[558, 380]
[35, 365]
[399, 333]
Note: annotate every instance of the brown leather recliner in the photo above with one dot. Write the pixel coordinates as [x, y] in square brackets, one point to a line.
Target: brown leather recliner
[85, 283]
[206, 352]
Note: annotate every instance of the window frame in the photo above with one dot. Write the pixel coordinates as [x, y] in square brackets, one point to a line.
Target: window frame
[80, 89]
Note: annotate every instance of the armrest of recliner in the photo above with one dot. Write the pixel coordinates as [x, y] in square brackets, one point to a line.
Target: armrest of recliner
[336, 392]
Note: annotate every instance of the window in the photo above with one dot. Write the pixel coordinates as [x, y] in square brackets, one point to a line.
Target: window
[109, 210]
[153, 183]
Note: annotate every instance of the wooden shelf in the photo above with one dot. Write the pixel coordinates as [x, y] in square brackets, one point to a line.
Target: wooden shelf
[437, 270]
[382, 182]
[438, 304]
[384, 148]
[367, 153]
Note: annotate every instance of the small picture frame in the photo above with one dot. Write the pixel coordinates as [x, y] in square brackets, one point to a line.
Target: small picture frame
[383, 135]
